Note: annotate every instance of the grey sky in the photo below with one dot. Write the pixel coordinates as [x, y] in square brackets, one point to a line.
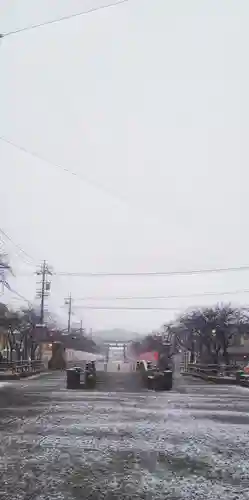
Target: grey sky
[150, 100]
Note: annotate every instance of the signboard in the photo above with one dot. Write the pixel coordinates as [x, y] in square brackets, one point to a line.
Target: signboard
[40, 334]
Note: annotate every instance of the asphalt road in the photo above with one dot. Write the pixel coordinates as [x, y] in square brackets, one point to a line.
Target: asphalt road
[190, 443]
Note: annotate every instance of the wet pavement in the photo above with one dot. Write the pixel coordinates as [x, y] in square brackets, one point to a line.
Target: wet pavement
[190, 443]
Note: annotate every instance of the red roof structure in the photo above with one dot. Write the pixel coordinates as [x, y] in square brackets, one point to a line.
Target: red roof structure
[149, 356]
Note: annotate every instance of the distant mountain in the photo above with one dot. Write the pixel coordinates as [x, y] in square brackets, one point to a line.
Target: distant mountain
[115, 334]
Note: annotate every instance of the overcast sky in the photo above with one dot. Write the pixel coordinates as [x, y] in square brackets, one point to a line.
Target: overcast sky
[147, 102]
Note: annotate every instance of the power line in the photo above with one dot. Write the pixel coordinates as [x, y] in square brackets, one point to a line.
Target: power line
[31, 305]
[17, 293]
[64, 18]
[21, 250]
[166, 297]
[154, 273]
[17, 254]
[150, 274]
[119, 198]
[95, 184]
[107, 308]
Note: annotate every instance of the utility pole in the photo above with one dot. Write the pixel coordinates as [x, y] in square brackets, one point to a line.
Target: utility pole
[45, 286]
[42, 292]
[4, 268]
[68, 302]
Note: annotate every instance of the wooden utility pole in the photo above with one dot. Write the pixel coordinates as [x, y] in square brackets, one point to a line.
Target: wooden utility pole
[45, 286]
[4, 268]
[68, 302]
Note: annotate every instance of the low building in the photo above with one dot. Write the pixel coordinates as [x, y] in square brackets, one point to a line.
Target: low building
[239, 352]
[46, 353]
[3, 340]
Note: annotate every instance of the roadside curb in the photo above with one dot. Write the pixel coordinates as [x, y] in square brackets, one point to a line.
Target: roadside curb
[19, 376]
[213, 379]
[37, 375]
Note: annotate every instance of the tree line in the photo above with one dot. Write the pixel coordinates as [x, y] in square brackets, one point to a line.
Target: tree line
[17, 331]
[18, 328]
[206, 333]
[22, 338]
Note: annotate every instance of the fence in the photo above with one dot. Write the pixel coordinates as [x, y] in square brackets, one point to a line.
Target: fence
[211, 369]
[21, 366]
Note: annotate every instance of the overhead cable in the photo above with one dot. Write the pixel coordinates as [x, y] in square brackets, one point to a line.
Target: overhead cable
[165, 297]
[106, 308]
[149, 274]
[155, 273]
[64, 18]
[95, 184]
[21, 250]
[6, 284]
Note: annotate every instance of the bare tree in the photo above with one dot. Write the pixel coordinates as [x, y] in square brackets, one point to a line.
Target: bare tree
[208, 332]
[29, 319]
[9, 322]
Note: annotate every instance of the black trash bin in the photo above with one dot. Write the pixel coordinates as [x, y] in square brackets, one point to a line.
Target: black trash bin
[73, 378]
[163, 380]
[150, 380]
[90, 376]
[167, 380]
[90, 380]
[93, 366]
[238, 376]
